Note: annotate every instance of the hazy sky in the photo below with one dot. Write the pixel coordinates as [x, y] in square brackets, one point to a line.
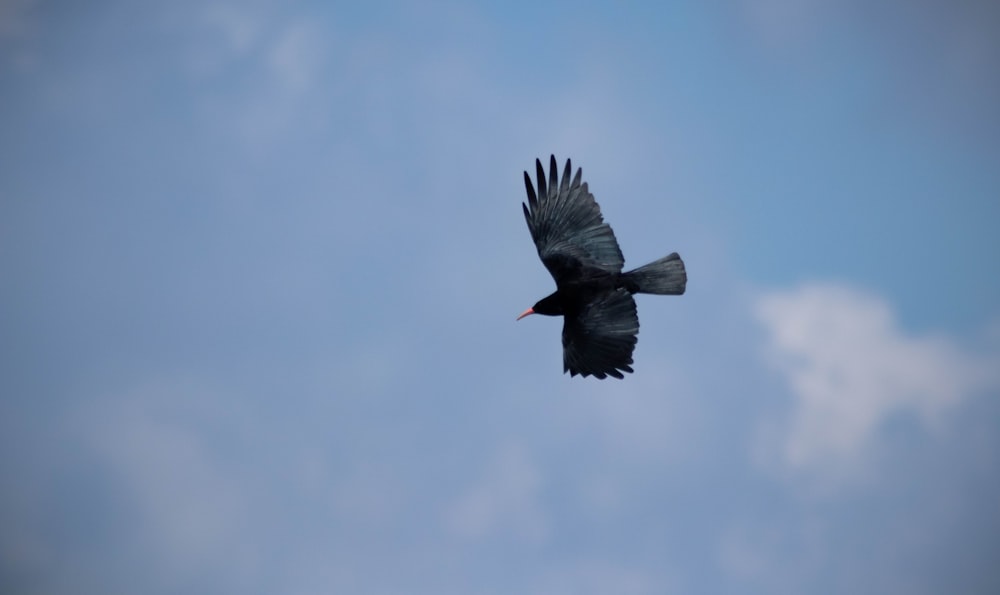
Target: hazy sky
[260, 263]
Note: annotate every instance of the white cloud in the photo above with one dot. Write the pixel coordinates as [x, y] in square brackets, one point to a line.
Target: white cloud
[504, 500]
[850, 368]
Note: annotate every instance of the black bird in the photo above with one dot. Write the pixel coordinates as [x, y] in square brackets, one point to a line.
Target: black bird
[592, 294]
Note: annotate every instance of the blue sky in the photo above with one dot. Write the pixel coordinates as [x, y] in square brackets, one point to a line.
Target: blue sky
[261, 263]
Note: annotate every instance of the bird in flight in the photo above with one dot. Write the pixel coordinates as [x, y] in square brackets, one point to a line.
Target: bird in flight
[592, 294]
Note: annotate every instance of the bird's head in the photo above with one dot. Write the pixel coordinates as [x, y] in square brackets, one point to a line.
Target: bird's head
[549, 306]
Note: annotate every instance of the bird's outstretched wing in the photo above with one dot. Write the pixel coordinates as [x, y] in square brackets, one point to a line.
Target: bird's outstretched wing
[566, 225]
[599, 339]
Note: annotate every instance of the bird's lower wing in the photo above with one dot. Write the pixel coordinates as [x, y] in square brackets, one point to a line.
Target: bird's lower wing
[599, 340]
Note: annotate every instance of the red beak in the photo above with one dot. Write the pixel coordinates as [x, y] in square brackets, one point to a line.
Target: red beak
[525, 313]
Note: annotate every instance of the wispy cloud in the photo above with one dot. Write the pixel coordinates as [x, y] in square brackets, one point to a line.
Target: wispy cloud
[600, 576]
[239, 27]
[295, 57]
[16, 28]
[850, 368]
[504, 500]
[153, 444]
[14, 19]
[274, 253]
[785, 22]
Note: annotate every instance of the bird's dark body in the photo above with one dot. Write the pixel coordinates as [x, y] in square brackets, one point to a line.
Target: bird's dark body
[572, 296]
[592, 293]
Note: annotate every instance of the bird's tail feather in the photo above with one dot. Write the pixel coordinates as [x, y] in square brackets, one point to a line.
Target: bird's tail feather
[665, 276]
